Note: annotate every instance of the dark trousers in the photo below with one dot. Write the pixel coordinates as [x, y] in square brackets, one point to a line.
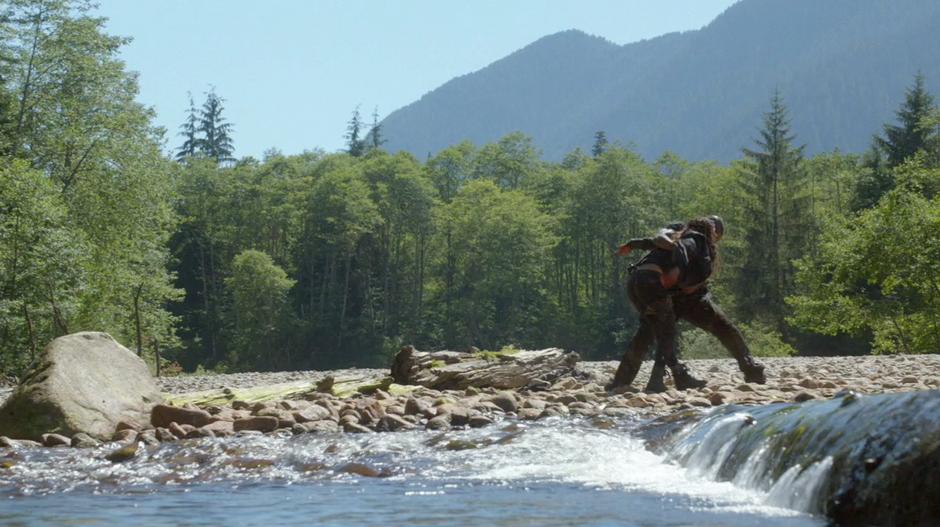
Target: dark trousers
[659, 310]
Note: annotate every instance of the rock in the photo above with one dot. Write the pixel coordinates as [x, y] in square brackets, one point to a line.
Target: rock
[125, 436]
[809, 383]
[52, 440]
[122, 454]
[6, 442]
[803, 396]
[84, 382]
[619, 411]
[322, 427]
[364, 470]
[222, 428]
[165, 436]
[716, 398]
[163, 415]
[124, 425]
[148, 437]
[460, 444]
[459, 416]
[441, 422]
[909, 380]
[177, 430]
[699, 401]
[83, 440]
[415, 406]
[260, 423]
[479, 421]
[504, 400]
[745, 388]
[530, 414]
[198, 433]
[355, 428]
[311, 413]
[392, 422]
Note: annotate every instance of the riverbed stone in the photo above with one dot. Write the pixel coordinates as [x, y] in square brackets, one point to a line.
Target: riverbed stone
[506, 401]
[259, 423]
[163, 415]
[83, 440]
[84, 382]
[53, 440]
[311, 413]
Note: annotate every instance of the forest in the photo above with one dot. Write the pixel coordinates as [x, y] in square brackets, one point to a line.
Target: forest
[197, 259]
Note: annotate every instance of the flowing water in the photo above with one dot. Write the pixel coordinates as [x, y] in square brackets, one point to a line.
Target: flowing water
[552, 472]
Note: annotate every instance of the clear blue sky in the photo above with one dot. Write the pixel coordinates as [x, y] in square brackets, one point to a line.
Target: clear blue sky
[293, 70]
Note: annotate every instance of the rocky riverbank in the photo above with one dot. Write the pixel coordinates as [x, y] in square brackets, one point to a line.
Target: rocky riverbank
[394, 407]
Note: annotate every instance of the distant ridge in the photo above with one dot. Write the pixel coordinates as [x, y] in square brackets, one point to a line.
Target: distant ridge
[841, 66]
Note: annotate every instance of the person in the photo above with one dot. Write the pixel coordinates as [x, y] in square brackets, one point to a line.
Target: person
[671, 283]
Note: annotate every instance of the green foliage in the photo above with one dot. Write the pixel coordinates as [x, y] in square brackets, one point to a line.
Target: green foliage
[259, 310]
[878, 275]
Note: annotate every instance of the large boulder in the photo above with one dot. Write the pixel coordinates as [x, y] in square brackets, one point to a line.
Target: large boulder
[84, 383]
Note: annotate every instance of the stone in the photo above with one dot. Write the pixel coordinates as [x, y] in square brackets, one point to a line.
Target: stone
[221, 428]
[716, 398]
[198, 433]
[6, 442]
[53, 440]
[84, 382]
[530, 414]
[909, 380]
[83, 440]
[803, 396]
[392, 422]
[414, 406]
[355, 428]
[163, 415]
[441, 422]
[122, 454]
[322, 427]
[459, 416]
[148, 437]
[177, 430]
[809, 383]
[504, 400]
[311, 413]
[479, 421]
[125, 436]
[260, 423]
[165, 436]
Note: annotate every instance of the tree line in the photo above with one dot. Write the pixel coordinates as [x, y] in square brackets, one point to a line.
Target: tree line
[326, 259]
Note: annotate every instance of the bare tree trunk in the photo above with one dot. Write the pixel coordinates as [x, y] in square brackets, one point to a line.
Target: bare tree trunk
[342, 312]
[140, 337]
[32, 334]
[156, 355]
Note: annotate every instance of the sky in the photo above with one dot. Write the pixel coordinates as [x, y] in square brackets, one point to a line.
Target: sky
[292, 71]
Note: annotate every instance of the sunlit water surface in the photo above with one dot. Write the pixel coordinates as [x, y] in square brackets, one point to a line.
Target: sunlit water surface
[546, 473]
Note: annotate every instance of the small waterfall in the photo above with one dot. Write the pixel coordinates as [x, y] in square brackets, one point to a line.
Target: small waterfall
[852, 458]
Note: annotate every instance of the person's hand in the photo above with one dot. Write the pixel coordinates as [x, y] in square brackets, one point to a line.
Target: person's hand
[624, 250]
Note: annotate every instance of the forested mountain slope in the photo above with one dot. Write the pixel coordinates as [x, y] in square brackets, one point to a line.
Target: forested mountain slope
[839, 65]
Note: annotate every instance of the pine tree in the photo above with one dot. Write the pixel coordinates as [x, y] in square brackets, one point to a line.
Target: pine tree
[375, 132]
[216, 140]
[600, 143]
[355, 145]
[901, 142]
[776, 226]
[188, 130]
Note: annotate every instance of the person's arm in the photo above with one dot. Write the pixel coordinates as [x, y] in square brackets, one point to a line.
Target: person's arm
[646, 244]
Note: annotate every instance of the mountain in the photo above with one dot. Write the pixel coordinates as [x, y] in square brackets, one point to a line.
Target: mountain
[841, 66]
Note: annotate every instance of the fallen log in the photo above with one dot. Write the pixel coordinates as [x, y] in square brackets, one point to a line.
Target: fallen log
[505, 370]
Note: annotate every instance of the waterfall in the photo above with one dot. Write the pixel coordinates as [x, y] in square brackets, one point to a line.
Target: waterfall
[853, 458]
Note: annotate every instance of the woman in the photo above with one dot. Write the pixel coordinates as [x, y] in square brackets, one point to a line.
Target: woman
[670, 283]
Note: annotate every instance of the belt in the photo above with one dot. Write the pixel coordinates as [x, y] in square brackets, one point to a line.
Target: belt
[664, 279]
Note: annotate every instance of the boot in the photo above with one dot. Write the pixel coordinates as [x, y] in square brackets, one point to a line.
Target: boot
[656, 383]
[753, 371]
[684, 379]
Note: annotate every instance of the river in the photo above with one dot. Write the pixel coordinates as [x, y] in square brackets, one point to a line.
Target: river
[551, 472]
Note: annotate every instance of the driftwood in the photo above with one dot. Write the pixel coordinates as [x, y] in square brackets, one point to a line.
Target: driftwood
[508, 369]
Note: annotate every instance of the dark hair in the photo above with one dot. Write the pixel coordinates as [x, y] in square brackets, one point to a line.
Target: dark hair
[707, 227]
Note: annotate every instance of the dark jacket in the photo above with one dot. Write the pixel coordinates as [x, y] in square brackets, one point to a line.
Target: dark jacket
[690, 253]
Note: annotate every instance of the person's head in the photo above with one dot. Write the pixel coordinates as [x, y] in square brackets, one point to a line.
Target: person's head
[719, 226]
[713, 228]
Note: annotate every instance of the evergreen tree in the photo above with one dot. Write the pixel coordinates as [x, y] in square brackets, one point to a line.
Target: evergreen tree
[375, 132]
[188, 130]
[901, 142]
[600, 143]
[355, 145]
[216, 140]
[775, 226]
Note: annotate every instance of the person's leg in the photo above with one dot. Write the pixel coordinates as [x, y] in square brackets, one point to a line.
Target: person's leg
[663, 320]
[701, 311]
[633, 356]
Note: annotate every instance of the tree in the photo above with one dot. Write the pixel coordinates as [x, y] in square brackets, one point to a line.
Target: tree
[877, 274]
[903, 141]
[189, 130]
[776, 223]
[600, 143]
[509, 161]
[216, 140]
[259, 307]
[375, 138]
[355, 145]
